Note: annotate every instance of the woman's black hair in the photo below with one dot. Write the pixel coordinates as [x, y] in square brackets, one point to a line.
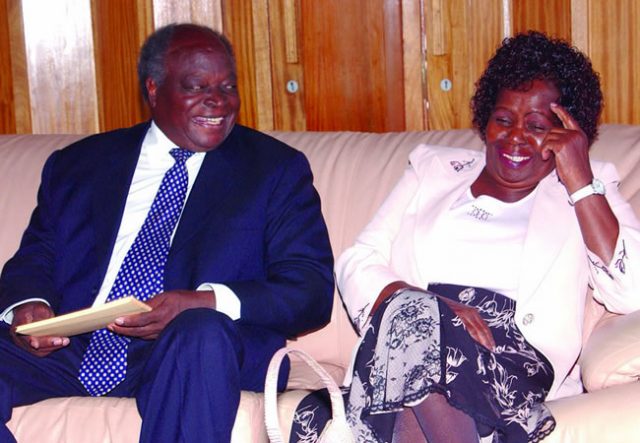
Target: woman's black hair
[535, 56]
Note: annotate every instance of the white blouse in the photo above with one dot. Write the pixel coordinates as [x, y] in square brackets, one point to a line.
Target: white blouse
[479, 243]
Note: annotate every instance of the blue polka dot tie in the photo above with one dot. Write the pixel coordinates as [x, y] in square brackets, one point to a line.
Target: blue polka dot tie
[104, 364]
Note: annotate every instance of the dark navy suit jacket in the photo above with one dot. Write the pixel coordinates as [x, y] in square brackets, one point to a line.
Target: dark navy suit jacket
[252, 221]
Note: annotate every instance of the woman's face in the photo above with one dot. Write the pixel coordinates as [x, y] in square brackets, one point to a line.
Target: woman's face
[515, 137]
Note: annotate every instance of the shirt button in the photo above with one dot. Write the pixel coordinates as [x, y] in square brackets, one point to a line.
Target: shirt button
[528, 319]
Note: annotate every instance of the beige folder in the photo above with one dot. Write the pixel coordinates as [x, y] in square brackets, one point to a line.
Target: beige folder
[85, 320]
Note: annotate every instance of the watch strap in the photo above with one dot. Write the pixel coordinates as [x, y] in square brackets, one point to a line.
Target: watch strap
[595, 187]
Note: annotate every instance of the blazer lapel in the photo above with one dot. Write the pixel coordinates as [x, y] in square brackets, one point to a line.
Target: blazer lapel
[452, 174]
[549, 227]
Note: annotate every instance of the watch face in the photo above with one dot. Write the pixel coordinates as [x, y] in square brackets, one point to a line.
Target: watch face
[598, 186]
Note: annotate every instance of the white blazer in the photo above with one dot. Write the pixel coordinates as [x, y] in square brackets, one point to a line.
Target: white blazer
[556, 270]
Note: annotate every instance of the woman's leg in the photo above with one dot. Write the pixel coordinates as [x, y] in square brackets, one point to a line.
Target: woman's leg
[434, 421]
[407, 429]
[442, 423]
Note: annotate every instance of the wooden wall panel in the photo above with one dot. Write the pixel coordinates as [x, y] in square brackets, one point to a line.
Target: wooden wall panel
[461, 37]
[374, 65]
[205, 12]
[263, 84]
[352, 65]
[18, 73]
[59, 46]
[414, 65]
[7, 110]
[614, 50]
[288, 107]
[550, 16]
[119, 29]
[239, 16]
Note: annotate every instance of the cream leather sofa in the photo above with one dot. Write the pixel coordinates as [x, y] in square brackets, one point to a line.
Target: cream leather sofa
[353, 173]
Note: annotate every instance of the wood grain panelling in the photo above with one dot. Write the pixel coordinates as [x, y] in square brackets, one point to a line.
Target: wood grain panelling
[239, 19]
[205, 12]
[414, 66]
[7, 110]
[352, 65]
[580, 24]
[471, 30]
[119, 28]
[364, 65]
[614, 50]
[262, 57]
[18, 73]
[60, 64]
[550, 16]
[393, 74]
[288, 107]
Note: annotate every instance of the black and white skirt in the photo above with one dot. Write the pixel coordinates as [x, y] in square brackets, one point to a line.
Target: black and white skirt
[415, 345]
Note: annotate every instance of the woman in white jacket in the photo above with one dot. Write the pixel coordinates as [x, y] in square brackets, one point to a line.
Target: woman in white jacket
[468, 286]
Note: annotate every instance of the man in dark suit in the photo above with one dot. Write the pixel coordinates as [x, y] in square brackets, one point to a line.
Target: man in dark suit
[249, 262]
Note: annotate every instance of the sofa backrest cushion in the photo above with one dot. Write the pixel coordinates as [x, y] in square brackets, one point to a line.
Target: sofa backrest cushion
[353, 174]
[21, 160]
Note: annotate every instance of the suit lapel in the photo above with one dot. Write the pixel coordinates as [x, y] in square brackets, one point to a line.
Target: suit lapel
[212, 186]
[112, 182]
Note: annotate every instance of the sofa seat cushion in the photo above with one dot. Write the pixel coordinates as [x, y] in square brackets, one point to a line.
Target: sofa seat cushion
[114, 420]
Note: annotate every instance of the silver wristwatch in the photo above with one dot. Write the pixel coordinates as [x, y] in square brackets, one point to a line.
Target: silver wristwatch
[595, 187]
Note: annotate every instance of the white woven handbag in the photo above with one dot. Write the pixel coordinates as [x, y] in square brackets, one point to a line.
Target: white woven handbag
[336, 431]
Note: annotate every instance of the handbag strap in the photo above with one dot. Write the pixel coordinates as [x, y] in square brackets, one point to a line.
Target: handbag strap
[271, 392]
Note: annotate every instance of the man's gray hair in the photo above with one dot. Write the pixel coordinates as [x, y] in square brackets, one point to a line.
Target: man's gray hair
[151, 63]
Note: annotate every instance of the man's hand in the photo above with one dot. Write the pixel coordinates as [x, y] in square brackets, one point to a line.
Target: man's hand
[473, 323]
[166, 306]
[39, 346]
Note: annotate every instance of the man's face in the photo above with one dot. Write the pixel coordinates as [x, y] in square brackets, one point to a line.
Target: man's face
[197, 104]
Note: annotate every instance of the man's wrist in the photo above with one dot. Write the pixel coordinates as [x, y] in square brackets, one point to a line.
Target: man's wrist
[7, 315]
[226, 300]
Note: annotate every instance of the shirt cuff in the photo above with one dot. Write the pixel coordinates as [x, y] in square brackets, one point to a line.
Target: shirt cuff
[227, 301]
[7, 314]
[618, 265]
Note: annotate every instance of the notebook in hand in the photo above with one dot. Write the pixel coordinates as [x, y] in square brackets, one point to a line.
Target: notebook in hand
[85, 320]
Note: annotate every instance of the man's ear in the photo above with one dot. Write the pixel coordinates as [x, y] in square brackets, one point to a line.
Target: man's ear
[152, 88]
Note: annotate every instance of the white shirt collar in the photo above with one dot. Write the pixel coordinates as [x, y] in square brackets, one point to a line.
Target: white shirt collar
[156, 146]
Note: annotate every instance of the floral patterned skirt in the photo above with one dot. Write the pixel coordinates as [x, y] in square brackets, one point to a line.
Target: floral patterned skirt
[416, 345]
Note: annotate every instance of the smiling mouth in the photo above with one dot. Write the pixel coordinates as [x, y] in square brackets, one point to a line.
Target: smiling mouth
[208, 121]
[516, 158]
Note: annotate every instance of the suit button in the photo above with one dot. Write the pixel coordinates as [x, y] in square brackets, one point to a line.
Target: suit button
[528, 319]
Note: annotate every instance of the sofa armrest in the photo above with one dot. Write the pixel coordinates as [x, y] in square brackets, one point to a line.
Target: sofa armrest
[609, 415]
[611, 356]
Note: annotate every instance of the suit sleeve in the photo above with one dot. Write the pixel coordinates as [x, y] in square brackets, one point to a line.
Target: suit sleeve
[29, 273]
[297, 294]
